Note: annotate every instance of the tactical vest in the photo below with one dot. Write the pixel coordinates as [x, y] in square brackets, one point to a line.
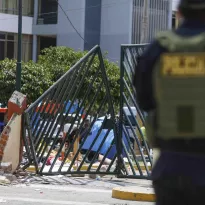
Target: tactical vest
[179, 88]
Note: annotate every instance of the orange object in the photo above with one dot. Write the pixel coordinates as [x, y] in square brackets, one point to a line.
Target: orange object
[51, 106]
[3, 110]
[5, 137]
[3, 142]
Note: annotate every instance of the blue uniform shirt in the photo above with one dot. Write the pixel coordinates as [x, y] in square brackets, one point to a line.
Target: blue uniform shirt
[169, 163]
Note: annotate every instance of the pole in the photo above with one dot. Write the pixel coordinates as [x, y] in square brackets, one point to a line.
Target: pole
[170, 14]
[18, 66]
[145, 23]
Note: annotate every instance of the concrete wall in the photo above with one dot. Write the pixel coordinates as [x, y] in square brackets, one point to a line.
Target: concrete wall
[116, 26]
[67, 36]
[175, 4]
[50, 29]
[12, 148]
[9, 23]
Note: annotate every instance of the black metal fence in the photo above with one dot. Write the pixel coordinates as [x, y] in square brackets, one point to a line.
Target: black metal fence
[72, 127]
[138, 156]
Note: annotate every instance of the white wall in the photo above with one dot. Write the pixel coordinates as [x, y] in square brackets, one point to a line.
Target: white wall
[67, 36]
[12, 148]
[175, 4]
[45, 29]
[116, 26]
[9, 23]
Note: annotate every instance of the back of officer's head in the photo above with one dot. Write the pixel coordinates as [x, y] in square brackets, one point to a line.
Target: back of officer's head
[192, 9]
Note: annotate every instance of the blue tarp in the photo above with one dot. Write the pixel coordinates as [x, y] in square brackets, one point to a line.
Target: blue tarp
[108, 142]
[73, 109]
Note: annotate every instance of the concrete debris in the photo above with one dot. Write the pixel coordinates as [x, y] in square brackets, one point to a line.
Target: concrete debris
[7, 177]
[78, 175]
[20, 173]
[4, 180]
[2, 201]
[11, 177]
[92, 176]
[6, 167]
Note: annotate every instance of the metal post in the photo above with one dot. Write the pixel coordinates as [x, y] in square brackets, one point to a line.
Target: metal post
[18, 66]
[145, 22]
[170, 14]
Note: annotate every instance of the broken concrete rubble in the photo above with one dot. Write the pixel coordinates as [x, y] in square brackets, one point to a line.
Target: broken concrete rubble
[10, 177]
[6, 167]
[20, 173]
[4, 180]
[6, 175]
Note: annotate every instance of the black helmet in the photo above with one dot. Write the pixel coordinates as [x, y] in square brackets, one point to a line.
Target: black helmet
[192, 4]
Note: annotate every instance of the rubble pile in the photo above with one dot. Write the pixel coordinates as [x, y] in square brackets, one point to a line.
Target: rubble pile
[7, 177]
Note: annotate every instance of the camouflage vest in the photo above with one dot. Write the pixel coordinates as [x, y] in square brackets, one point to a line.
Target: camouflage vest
[179, 88]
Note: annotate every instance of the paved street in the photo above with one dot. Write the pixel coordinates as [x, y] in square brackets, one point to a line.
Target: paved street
[81, 191]
[68, 195]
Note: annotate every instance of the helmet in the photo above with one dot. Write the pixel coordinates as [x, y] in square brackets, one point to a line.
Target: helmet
[192, 4]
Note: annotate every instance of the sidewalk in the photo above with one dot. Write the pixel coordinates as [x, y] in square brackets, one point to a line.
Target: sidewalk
[124, 189]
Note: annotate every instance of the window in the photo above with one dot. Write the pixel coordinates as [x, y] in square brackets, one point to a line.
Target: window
[48, 12]
[9, 46]
[45, 42]
[28, 7]
[11, 7]
[27, 42]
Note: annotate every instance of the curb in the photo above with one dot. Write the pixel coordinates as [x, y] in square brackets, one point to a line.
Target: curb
[134, 194]
[84, 168]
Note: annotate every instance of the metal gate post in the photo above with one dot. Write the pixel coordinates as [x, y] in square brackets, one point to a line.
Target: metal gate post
[120, 127]
[53, 122]
[135, 164]
[112, 111]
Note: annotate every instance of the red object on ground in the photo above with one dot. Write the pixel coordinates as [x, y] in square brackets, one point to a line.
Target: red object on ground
[3, 110]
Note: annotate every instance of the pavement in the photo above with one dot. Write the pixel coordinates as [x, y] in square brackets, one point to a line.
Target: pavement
[123, 189]
[69, 191]
[135, 192]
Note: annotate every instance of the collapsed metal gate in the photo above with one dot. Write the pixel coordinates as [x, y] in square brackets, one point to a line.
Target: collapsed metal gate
[72, 127]
[57, 127]
[139, 157]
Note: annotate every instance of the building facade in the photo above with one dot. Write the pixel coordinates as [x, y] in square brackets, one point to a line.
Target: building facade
[9, 28]
[81, 24]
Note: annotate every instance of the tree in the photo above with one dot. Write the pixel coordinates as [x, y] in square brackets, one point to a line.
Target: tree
[52, 64]
[58, 60]
[34, 80]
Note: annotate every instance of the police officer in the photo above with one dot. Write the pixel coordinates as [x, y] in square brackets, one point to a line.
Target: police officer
[170, 87]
